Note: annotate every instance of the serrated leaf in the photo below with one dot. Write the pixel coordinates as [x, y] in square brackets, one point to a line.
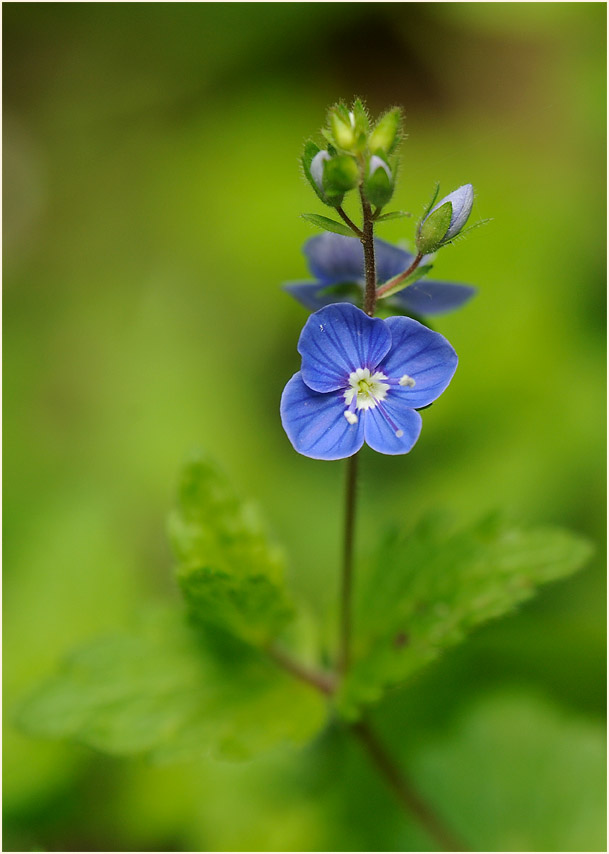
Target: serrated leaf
[391, 215]
[328, 224]
[423, 593]
[231, 575]
[173, 692]
[416, 274]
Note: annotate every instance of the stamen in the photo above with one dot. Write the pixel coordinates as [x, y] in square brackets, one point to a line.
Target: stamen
[350, 416]
[407, 381]
[398, 432]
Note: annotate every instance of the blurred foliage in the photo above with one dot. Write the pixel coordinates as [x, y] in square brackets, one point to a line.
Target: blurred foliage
[175, 693]
[426, 590]
[147, 147]
[230, 575]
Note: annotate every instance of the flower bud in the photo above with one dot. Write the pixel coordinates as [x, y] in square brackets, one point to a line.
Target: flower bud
[342, 131]
[379, 183]
[314, 164]
[317, 168]
[340, 174]
[445, 220]
[386, 132]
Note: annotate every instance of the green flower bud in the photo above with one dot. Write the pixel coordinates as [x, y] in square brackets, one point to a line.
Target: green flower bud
[343, 130]
[386, 133]
[340, 174]
[379, 182]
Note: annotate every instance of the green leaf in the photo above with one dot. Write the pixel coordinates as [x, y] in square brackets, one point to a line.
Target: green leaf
[231, 575]
[417, 274]
[329, 224]
[424, 592]
[391, 215]
[174, 692]
[434, 196]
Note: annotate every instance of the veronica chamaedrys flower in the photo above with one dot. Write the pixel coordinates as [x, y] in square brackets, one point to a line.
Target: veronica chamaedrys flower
[362, 380]
[337, 260]
[434, 230]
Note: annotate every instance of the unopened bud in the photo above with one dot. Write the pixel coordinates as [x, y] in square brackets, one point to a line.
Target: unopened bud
[317, 168]
[343, 130]
[379, 183]
[445, 220]
[386, 133]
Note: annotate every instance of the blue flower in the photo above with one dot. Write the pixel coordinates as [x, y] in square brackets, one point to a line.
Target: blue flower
[362, 380]
[337, 260]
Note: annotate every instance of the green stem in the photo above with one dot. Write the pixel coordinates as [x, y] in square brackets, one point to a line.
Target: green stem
[405, 792]
[397, 279]
[344, 655]
[323, 681]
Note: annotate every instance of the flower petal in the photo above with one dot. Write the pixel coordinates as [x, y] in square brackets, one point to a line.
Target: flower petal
[384, 423]
[390, 260]
[423, 355]
[310, 294]
[429, 297]
[315, 423]
[335, 258]
[337, 340]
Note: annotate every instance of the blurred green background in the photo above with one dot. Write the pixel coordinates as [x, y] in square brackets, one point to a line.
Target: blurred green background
[151, 202]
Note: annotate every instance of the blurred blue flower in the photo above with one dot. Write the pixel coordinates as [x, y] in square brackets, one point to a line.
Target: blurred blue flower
[336, 260]
[361, 380]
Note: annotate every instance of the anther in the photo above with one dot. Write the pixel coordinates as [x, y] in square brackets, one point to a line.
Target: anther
[350, 416]
[407, 381]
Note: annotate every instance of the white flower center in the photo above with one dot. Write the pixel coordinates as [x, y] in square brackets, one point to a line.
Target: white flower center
[367, 389]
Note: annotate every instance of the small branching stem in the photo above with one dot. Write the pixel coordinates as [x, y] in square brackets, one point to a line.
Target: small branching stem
[320, 679]
[404, 790]
[397, 279]
[349, 222]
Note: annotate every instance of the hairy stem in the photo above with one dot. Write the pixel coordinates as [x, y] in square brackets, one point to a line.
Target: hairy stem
[400, 278]
[323, 681]
[405, 792]
[367, 239]
[344, 654]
